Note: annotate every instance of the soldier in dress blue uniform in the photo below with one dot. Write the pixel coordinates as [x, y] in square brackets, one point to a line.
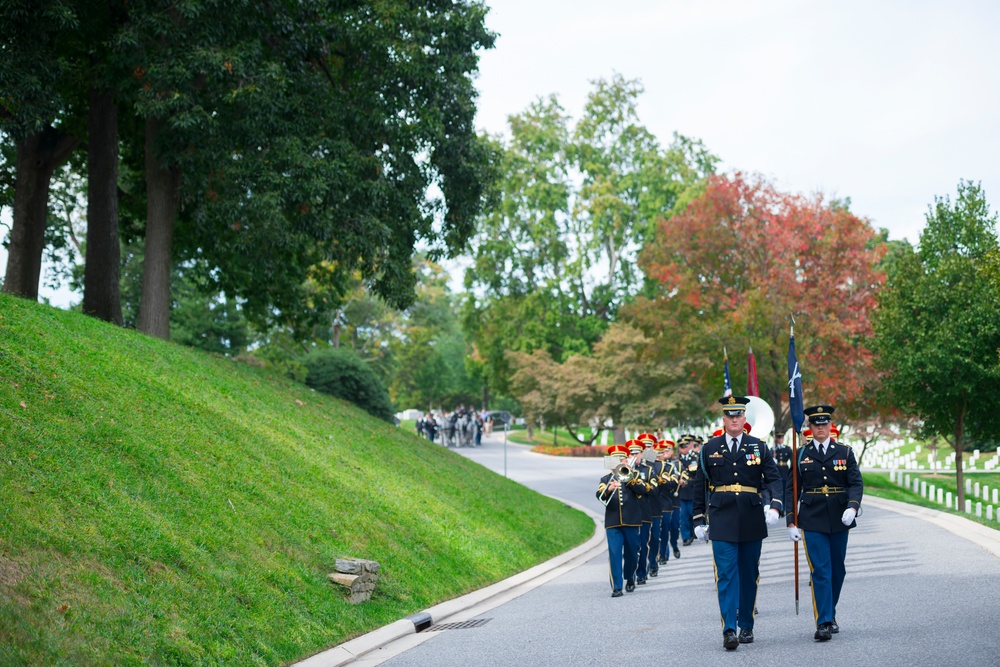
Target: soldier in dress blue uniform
[830, 491]
[622, 516]
[645, 472]
[783, 457]
[670, 524]
[735, 469]
[685, 492]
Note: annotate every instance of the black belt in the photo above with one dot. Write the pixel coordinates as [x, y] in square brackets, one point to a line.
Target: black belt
[826, 490]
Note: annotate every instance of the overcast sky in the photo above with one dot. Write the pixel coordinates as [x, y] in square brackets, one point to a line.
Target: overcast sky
[888, 103]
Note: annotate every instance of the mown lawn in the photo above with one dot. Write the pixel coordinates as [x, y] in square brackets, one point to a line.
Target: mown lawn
[160, 506]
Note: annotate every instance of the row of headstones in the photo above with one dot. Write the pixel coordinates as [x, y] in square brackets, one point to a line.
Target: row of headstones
[942, 497]
[909, 461]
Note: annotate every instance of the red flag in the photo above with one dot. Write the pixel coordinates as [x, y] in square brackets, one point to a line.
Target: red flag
[752, 389]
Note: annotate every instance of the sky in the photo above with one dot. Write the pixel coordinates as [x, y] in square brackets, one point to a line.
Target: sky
[888, 103]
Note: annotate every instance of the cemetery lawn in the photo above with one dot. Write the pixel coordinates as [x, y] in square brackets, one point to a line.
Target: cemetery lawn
[562, 437]
[879, 485]
[162, 506]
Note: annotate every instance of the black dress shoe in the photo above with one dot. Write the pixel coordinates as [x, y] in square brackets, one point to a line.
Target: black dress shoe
[687, 542]
[661, 560]
[823, 633]
[617, 593]
[834, 628]
[746, 636]
[677, 552]
[729, 640]
[629, 586]
[654, 572]
[640, 581]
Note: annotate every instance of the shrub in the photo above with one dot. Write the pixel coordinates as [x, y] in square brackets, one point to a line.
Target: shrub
[342, 373]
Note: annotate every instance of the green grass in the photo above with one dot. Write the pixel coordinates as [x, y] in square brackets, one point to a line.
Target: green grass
[159, 506]
[563, 438]
[879, 485]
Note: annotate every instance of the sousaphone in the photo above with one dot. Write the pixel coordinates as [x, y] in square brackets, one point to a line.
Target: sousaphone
[761, 418]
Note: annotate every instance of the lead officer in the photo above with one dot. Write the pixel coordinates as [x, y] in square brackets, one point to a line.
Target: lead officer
[735, 468]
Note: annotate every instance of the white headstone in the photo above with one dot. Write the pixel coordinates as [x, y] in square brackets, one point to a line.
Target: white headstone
[968, 506]
[947, 499]
[989, 512]
[968, 486]
[976, 487]
[996, 493]
[979, 509]
[923, 489]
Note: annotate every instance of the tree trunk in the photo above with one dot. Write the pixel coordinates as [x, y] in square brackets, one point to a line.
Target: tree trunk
[38, 157]
[101, 289]
[162, 200]
[959, 446]
[486, 397]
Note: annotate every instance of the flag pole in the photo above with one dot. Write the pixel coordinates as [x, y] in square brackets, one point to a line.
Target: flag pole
[795, 488]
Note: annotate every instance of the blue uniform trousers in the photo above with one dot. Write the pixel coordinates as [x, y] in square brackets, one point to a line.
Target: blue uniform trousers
[654, 544]
[623, 551]
[669, 531]
[644, 532]
[686, 520]
[736, 575]
[825, 553]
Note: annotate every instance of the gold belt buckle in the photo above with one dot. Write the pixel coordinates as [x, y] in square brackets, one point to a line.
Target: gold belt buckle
[826, 489]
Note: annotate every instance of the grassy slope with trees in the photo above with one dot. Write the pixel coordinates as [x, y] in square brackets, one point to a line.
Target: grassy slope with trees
[162, 506]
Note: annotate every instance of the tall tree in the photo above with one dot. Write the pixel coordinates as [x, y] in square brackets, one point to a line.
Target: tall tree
[732, 267]
[557, 255]
[937, 327]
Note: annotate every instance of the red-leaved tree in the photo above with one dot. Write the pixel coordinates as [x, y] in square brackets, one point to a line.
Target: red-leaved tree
[733, 267]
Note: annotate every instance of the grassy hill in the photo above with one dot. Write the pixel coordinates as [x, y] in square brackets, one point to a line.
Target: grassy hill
[160, 506]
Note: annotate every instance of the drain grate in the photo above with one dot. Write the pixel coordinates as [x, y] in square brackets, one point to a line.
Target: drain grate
[463, 625]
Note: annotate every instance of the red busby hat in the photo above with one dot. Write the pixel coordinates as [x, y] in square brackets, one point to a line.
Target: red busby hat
[807, 434]
[634, 446]
[834, 431]
[647, 439]
[617, 450]
[663, 445]
[746, 428]
[716, 433]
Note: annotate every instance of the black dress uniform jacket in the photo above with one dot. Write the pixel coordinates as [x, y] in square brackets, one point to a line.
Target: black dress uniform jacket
[828, 485]
[623, 508]
[735, 516]
[689, 464]
[668, 489]
[645, 473]
[654, 495]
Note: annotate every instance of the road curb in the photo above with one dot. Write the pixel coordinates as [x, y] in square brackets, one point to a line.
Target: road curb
[978, 534]
[349, 651]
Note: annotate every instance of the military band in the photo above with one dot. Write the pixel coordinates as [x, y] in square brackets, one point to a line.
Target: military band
[728, 492]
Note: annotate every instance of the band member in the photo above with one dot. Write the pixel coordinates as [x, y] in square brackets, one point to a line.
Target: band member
[670, 524]
[645, 472]
[735, 468]
[656, 502]
[685, 491]
[783, 457]
[620, 491]
[830, 491]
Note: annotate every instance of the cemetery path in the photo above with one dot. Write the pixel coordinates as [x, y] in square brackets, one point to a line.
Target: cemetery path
[915, 594]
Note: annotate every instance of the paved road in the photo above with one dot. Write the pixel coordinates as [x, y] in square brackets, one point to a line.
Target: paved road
[915, 594]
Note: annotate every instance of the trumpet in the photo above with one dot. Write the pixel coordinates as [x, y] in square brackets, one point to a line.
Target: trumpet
[623, 473]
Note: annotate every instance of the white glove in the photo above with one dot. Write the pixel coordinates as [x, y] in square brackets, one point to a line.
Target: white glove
[848, 517]
[771, 516]
[793, 533]
[701, 532]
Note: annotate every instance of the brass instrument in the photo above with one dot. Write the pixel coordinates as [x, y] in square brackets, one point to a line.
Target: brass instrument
[623, 473]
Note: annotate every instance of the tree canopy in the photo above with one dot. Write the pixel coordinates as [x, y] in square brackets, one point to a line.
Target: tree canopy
[733, 266]
[937, 327]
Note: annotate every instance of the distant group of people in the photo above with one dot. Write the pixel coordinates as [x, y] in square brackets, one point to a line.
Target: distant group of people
[462, 427]
[731, 489]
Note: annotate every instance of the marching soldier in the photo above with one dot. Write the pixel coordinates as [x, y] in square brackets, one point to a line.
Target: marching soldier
[685, 492]
[669, 525]
[645, 473]
[735, 468]
[783, 457]
[657, 500]
[830, 491]
[620, 491]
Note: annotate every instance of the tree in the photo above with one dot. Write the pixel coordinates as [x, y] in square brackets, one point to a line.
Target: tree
[555, 259]
[937, 326]
[730, 269]
[622, 383]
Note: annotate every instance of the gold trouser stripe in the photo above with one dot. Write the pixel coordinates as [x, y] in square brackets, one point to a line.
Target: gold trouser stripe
[812, 589]
[715, 570]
